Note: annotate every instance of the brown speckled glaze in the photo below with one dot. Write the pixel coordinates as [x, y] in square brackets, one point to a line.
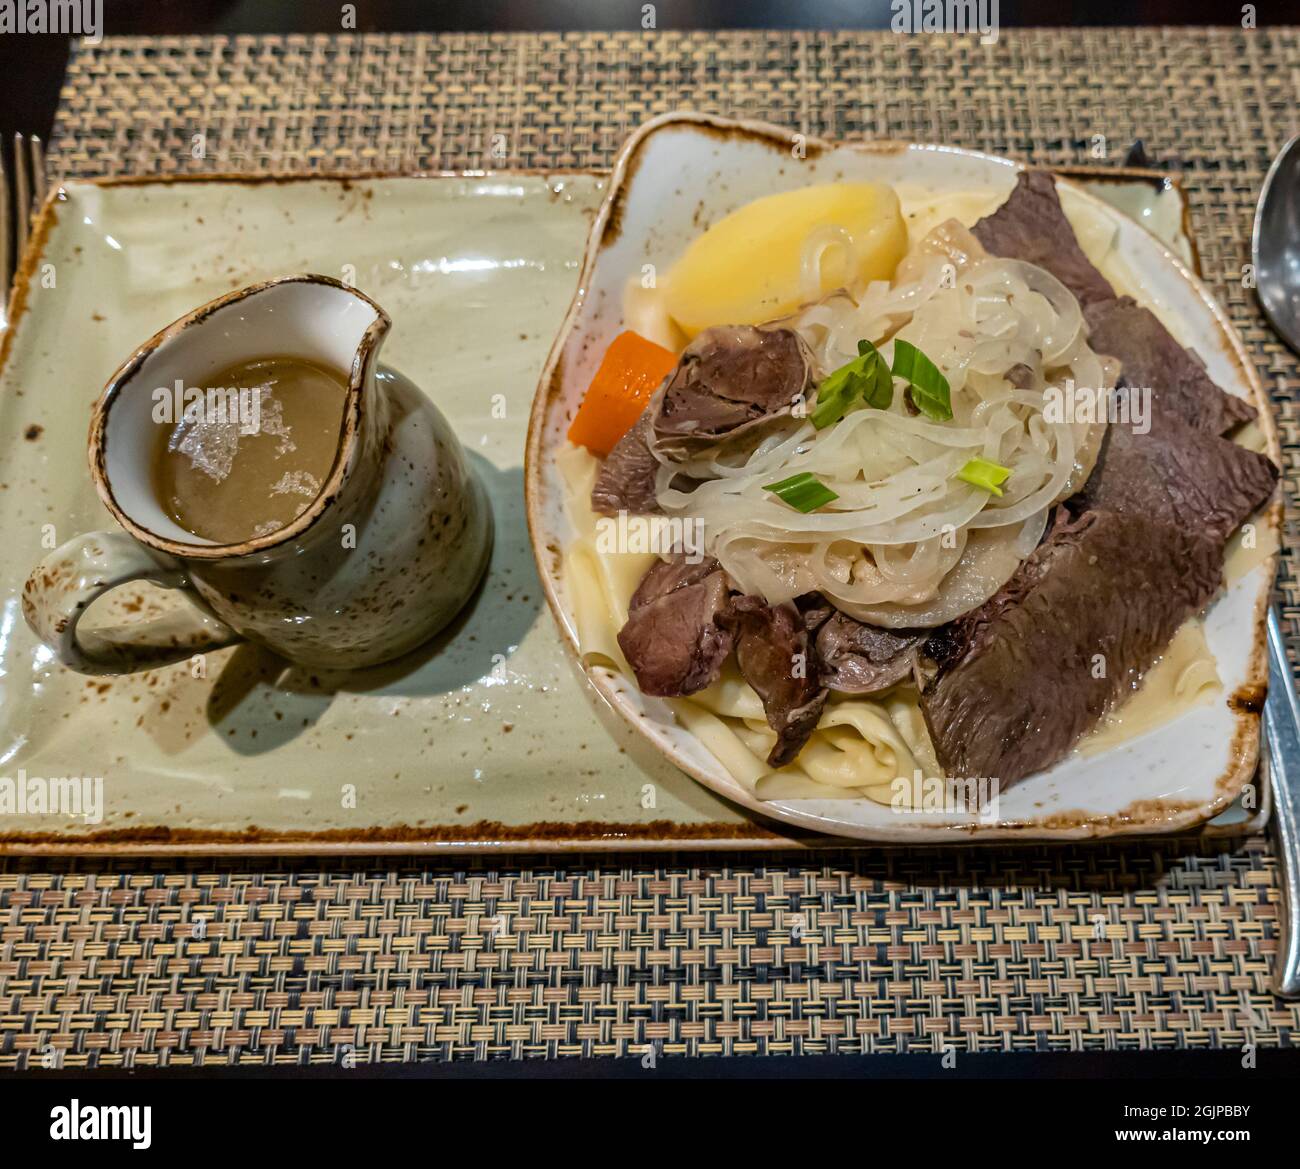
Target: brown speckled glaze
[382, 560]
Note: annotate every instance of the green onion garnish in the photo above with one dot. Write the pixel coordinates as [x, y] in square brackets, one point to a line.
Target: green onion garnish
[865, 378]
[930, 391]
[878, 391]
[803, 492]
[986, 474]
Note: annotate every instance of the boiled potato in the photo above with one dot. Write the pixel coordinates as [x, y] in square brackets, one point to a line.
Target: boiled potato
[746, 268]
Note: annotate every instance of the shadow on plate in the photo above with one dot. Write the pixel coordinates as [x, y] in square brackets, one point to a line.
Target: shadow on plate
[260, 691]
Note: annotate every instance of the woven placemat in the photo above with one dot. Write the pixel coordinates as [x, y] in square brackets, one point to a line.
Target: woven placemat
[1139, 945]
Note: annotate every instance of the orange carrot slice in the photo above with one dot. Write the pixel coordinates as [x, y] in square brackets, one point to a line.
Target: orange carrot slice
[629, 374]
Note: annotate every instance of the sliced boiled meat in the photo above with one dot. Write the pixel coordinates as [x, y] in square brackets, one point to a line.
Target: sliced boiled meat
[1150, 357]
[1024, 676]
[1031, 226]
[1178, 475]
[730, 378]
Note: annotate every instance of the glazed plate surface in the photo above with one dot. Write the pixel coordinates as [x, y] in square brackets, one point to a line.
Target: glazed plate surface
[491, 739]
[682, 172]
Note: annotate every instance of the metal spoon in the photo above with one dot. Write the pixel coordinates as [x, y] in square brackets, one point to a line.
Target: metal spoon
[1276, 254]
[1276, 244]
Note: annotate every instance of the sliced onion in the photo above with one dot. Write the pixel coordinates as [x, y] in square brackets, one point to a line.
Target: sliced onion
[906, 542]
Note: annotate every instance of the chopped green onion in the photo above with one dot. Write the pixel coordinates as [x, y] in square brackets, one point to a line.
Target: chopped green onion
[986, 474]
[803, 492]
[879, 389]
[931, 393]
[865, 378]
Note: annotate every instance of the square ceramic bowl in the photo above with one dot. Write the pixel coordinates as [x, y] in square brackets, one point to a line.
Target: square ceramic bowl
[680, 173]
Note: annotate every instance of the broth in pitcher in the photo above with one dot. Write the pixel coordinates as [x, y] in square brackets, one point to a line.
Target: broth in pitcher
[248, 456]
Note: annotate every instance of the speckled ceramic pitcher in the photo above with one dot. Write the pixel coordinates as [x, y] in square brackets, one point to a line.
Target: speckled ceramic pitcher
[385, 556]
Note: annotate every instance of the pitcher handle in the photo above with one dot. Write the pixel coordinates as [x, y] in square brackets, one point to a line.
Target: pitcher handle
[65, 584]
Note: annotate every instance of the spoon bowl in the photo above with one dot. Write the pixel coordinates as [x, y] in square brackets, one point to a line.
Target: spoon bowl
[1276, 244]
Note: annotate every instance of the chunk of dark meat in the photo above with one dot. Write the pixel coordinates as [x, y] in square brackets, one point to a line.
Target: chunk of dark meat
[1150, 357]
[729, 379]
[772, 652]
[1037, 665]
[683, 621]
[626, 479]
[678, 631]
[1031, 226]
[854, 658]
[667, 576]
[1192, 479]
[1020, 376]
[815, 609]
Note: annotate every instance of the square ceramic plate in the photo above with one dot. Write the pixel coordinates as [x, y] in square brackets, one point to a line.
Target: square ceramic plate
[682, 172]
[490, 740]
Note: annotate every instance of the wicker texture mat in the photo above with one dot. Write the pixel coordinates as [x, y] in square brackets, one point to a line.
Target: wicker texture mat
[1137, 945]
